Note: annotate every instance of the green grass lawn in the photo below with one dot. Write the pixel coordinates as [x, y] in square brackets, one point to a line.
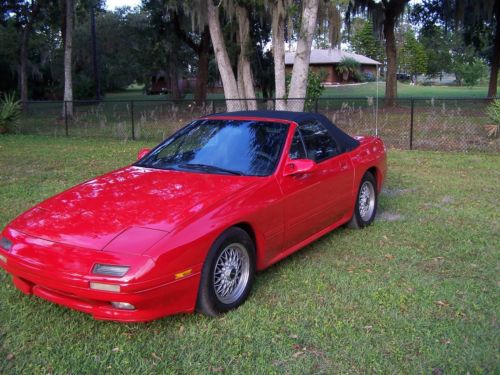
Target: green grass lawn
[407, 91]
[362, 90]
[417, 292]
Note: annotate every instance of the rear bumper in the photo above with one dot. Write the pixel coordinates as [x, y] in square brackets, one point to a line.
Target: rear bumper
[152, 299]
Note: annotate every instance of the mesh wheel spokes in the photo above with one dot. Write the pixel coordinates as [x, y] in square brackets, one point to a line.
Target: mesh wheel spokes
[366, 200]
[231, 273]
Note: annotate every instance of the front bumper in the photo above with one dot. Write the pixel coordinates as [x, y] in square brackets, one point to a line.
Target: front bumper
[152, 298]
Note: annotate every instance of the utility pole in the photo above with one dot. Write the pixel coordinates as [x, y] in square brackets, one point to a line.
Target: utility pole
[97, 83]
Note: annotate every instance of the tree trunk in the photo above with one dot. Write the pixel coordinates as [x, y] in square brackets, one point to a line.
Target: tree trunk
[222, 57]
[241, 86]
[23, 53]
[390, 50]
[202, 50]
[23, 67]
[174, 79]
[173, 72]
[244, 69]
[298, 85]
[278, 32]
[68, 50]
[200, 94]
[495, 60]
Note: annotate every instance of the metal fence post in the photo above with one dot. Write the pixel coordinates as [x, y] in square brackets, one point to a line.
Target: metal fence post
[316, 105]
[411, 122]
[66, 127]
[274, 104]
[132, 118]
[213, 106]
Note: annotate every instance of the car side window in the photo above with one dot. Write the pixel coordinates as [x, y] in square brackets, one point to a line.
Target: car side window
[318, 142]
[297, 148]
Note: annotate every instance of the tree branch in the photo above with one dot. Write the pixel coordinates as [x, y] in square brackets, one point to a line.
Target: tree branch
[182, 35]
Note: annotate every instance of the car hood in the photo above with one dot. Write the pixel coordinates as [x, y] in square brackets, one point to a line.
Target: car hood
[128, 200]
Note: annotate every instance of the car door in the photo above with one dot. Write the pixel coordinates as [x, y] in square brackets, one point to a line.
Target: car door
[319, 198]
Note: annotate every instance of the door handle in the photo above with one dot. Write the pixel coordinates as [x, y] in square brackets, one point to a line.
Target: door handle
[344, 166]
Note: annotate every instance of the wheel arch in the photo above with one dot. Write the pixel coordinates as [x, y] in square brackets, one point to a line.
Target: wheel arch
[376, 174]
[256, 239]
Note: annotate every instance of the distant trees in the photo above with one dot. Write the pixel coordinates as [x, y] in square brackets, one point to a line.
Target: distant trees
[384, 15]
[412, 55]
[470, 19]
[437, 46]
[125, 49]
[239, 42]
[23, 16]
[364, 42]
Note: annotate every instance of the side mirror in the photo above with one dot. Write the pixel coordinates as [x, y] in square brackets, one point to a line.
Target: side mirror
[142, 152]
[299, 166]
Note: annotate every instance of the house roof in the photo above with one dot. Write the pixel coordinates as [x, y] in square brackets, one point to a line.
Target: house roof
[329, 56]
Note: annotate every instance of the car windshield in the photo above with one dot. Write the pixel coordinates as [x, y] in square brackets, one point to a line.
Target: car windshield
[240, 147]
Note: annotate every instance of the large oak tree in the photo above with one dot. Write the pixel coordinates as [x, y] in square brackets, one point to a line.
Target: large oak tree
[384, 15]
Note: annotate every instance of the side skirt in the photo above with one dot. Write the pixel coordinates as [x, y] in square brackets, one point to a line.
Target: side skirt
[308, 240]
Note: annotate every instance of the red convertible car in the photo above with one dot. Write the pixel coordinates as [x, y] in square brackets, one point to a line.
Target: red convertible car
[187, 226]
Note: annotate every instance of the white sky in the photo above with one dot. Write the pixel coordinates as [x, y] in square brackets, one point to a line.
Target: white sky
[113, 4]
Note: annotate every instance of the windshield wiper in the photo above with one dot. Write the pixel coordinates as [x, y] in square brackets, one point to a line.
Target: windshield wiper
[210, 168]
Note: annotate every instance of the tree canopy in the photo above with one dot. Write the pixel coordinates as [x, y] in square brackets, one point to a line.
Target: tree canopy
[196, 43]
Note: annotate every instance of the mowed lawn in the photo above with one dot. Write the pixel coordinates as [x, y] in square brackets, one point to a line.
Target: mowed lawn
[343, 91]
[417, 292]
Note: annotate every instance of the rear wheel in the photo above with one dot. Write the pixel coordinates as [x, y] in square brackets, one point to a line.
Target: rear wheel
[366, 203]
[228, 273]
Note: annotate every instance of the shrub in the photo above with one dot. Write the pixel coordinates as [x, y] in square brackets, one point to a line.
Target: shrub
[314, 87]
[369, 77]
[470, 73]
[347, 67]
[10, 112]
[493, 112]
[83, 87]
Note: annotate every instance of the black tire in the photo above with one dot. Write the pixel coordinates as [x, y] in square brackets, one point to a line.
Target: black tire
[360, 218]
[211, 301]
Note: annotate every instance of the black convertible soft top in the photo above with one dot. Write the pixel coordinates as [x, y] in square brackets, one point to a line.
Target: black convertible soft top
[344, 140]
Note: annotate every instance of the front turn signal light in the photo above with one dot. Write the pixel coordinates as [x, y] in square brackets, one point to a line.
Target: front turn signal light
[105, 287]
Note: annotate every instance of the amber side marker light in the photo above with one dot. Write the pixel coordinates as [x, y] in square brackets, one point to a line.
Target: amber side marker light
[3, 258]
[182, 274]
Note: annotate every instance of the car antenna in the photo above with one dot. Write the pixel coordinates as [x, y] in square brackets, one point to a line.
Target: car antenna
[376, 103]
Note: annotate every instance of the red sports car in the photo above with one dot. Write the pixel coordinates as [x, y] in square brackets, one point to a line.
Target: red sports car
[186, 227]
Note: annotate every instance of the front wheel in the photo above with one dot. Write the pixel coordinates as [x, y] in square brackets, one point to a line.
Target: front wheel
[366, 203]
[227, 274]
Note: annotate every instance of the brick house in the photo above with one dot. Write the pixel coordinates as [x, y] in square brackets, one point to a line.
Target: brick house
[327, 59]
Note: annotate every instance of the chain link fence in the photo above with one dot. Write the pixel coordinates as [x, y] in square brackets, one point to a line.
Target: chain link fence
[419, 123]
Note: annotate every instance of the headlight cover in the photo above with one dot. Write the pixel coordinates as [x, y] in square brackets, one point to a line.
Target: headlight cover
[6, 244]
[110, 270]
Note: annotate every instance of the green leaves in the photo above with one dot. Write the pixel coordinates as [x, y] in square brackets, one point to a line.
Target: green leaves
[493, 111]
[412, 57]
[10, 112]
[365, 43]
